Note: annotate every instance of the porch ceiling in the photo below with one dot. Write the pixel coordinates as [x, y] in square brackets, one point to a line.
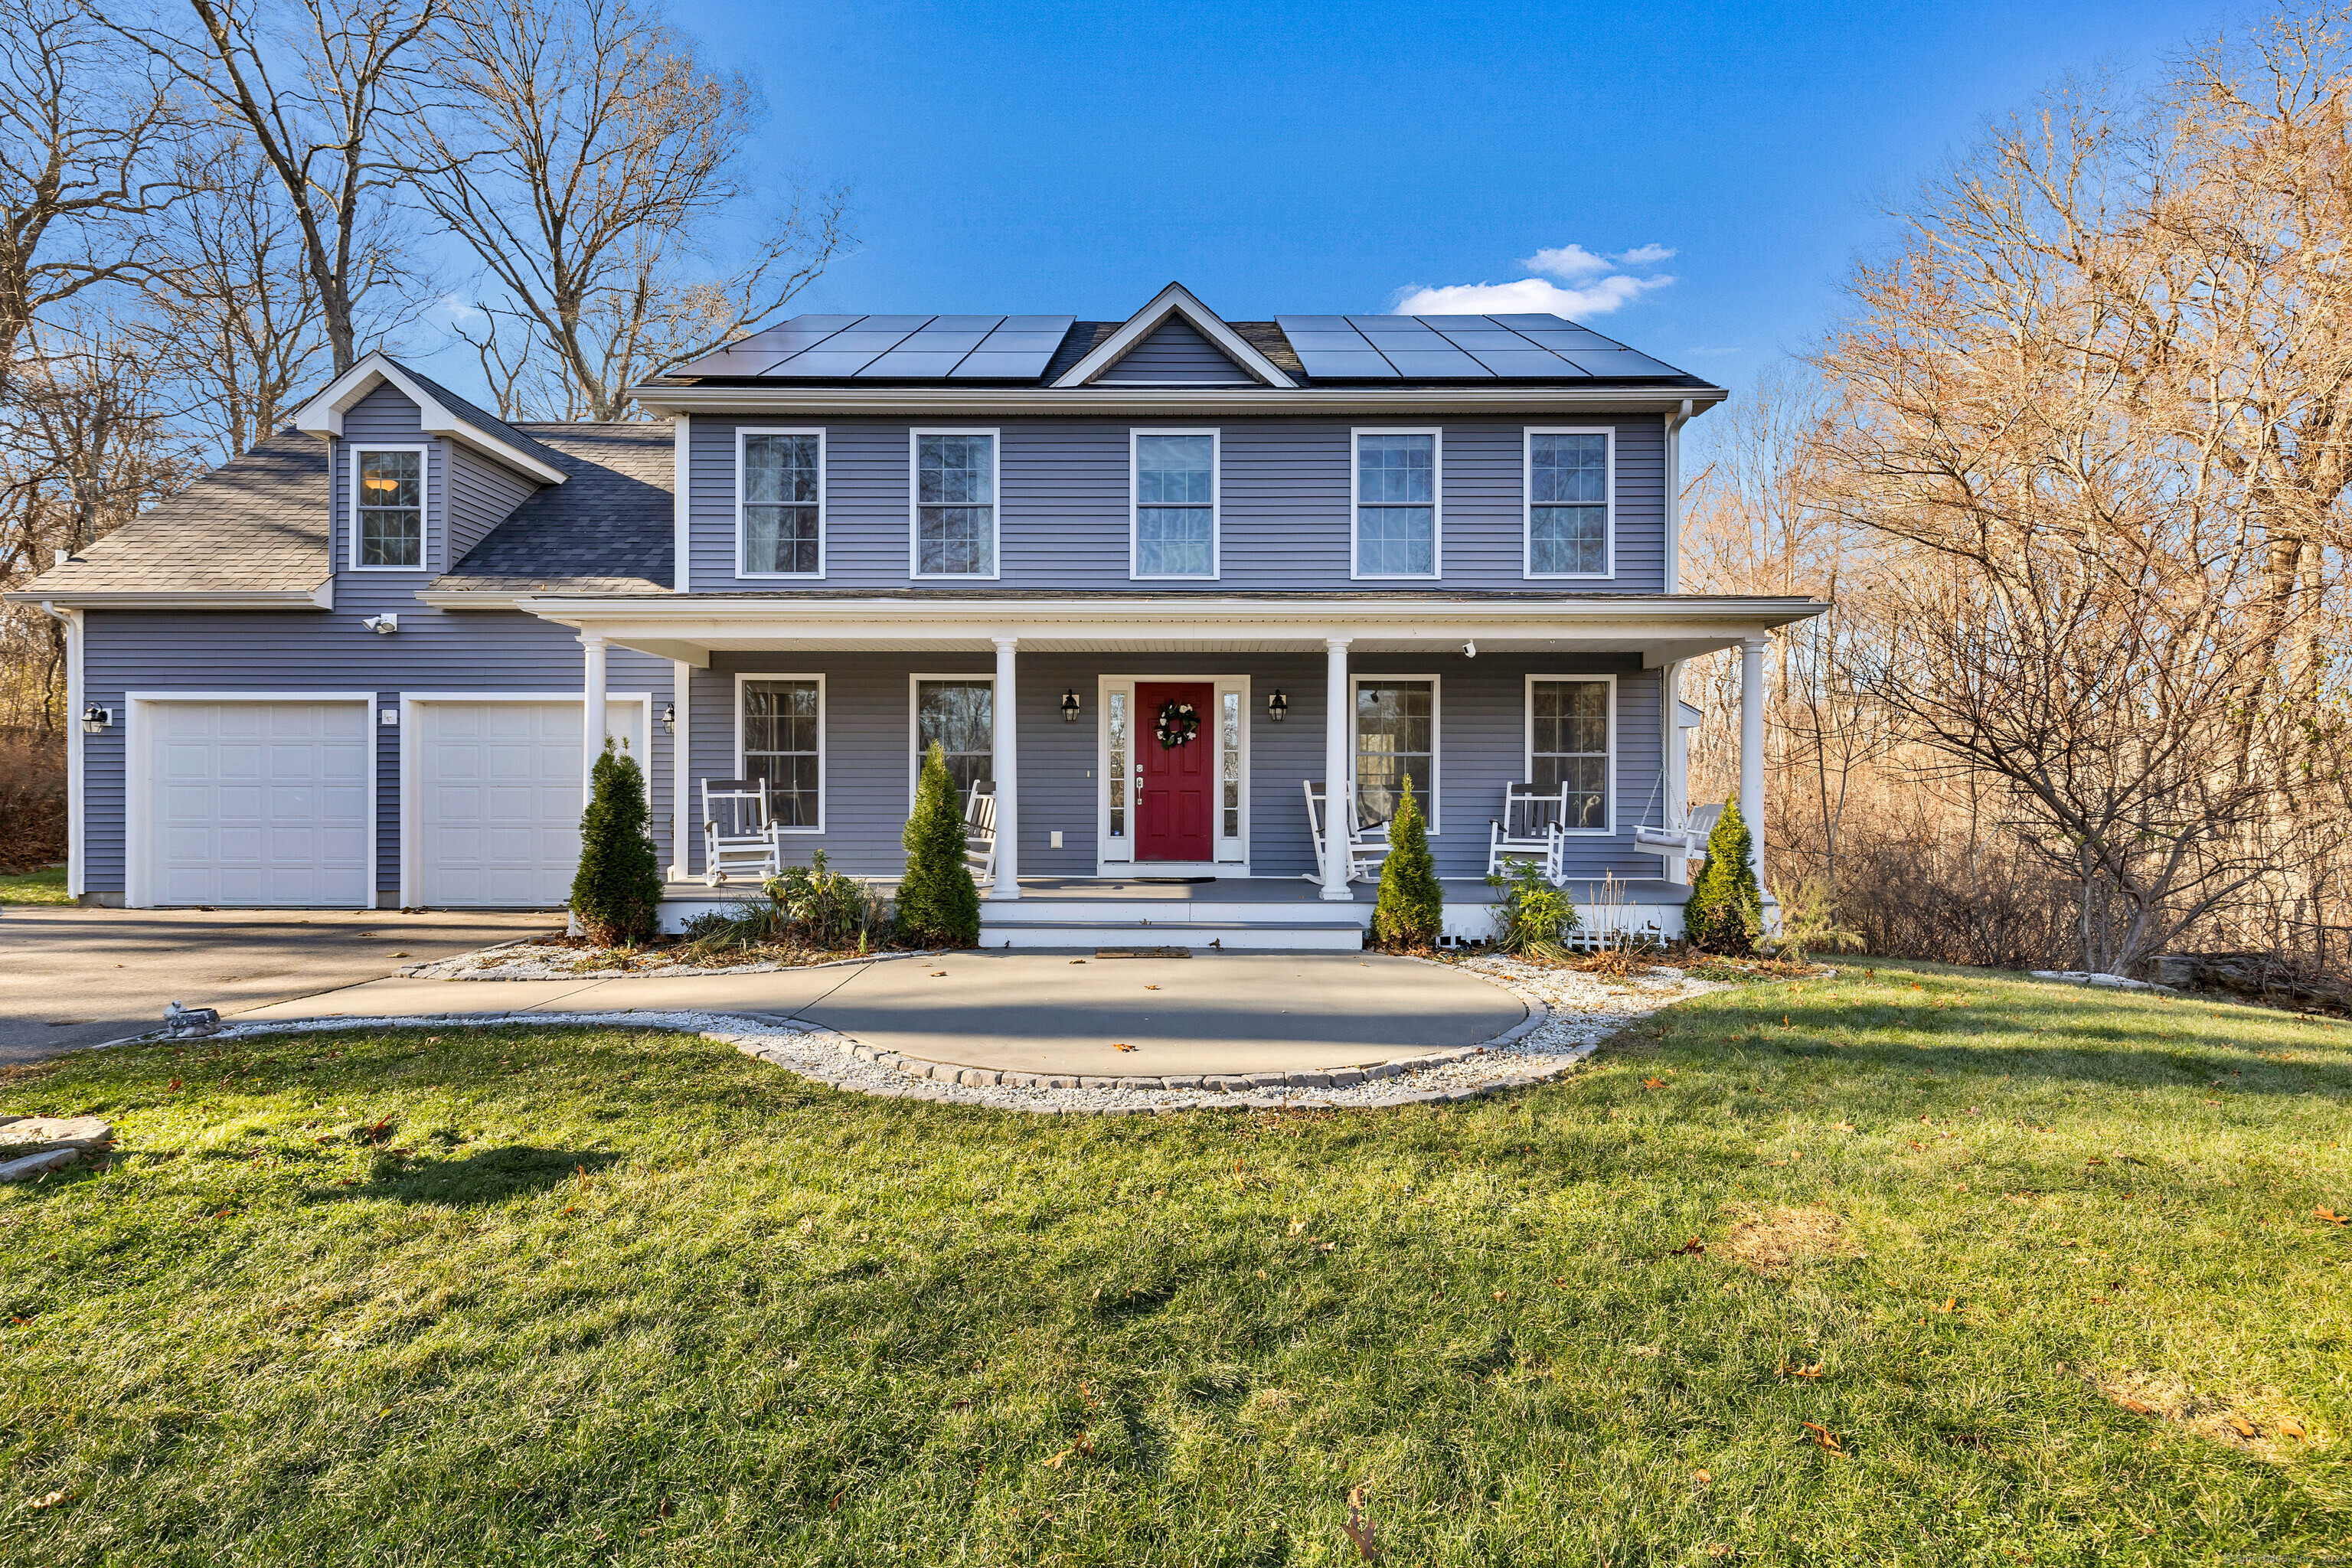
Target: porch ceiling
[1661, 628]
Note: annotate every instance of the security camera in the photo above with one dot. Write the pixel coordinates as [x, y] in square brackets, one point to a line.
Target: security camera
[1469, 650]
[382, 626]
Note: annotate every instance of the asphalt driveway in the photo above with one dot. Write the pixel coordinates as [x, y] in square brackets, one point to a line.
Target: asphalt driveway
[72, 976]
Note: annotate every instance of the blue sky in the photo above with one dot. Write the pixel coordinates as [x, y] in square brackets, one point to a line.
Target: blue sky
[1325, 158]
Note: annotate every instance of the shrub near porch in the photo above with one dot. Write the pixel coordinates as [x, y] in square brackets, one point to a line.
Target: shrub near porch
[553, 1295]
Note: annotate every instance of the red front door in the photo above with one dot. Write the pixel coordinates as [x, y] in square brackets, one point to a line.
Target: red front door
[1176, 782]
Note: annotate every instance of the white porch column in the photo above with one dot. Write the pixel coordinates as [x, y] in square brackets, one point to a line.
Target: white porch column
[1752, 750]
[592, 718]
[1007, 767]
[683, 812]
[1339, 787]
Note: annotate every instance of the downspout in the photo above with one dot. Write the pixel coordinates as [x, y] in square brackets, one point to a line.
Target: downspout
[76, 857]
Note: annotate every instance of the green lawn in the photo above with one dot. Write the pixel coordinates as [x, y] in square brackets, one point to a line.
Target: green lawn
[573, 1296]
[36, 887]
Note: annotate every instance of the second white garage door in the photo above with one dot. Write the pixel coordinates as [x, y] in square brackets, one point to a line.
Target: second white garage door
[498, 800]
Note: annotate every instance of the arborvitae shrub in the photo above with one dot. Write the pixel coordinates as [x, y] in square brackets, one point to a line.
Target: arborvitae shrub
[937, 904]
[616, 893]
[1726, 912]
[1412, 907]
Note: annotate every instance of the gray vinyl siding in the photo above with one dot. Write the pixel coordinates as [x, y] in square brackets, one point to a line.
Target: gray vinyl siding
[291, 653]
[1063, 513]
[481, 494]
[1482, 729]
[1174, 351]
[385, 414]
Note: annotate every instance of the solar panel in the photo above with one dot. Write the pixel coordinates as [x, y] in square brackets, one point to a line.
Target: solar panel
[1527, 365]
[1449, 365]
[823, 365]
[1459, 348]
[1356, 365]
[1622, 362]
[913, 364]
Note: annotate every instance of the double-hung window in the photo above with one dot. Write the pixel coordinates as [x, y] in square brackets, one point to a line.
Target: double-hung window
[388, 508]
[1396, 739]
[1567, 491]
[1397, 503]
[1570, 725]
[1175, 490]
[958, 714]
[955, 503]
[782, 739]
[780, 487]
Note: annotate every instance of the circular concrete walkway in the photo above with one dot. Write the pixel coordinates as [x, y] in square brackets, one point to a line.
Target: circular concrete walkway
[1037, 1013]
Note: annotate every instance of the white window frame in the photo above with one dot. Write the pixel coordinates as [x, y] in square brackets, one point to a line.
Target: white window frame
[1436, 501]
[1527, 745]
[822, 486]
[425, 452]
[914, 506]
[1230, 853]
[1135, 505]
[823, 793]
[1527, 508]
[1428, 797]
[914, 719]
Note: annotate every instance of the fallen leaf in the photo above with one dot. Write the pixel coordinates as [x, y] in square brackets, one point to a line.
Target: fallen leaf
[2243, 1427]
[2331, 1217]
[1691, 1248]
[1845, 1126]
[1083, 1446]
[1823, 1435]
[1499, 1295]
[1297, 1225]
[1950, 1302]
[1358, 1529]
[1653, 1083]
[2290, 1427]
[1077, 961]
[51, 1500]
[938, 975]
[1151, 988]
[1785, 1370]
[1702, 1478]
[1115, 1045]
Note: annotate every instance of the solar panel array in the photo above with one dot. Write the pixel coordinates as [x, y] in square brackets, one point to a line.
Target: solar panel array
[1460, 348]
[892, 348]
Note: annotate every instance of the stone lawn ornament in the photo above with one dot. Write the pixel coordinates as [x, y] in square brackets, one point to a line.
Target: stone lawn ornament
[180, 1022]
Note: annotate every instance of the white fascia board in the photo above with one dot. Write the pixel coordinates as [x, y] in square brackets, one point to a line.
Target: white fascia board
[322, 597]
[1174, 301]
[323, 416]
[1114, 400]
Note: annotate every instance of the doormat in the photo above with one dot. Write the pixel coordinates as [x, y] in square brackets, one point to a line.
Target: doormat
[1172, 881]
[1143, 952]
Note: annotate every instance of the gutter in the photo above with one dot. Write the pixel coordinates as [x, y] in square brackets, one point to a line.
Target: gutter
[322, 597]
[1177, 402]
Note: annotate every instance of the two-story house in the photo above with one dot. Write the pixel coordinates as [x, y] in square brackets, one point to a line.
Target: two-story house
[355, 667]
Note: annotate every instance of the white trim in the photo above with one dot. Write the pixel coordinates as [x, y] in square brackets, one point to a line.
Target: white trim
[1508, 402]
[1216, 504]
[324, 415]
[681, 506]
[823, 779]
[681, 771]
[138, 835]
[1432, 796]
[1675, 421]
[1527, 502]
[915, 720]
[77, 754]
[1174, 301]
[996, 507]
[428, 451]
[412, 763]
[1228, 856]
[1528, 745]
[1436, 501]
[322, 597]
[818, 431]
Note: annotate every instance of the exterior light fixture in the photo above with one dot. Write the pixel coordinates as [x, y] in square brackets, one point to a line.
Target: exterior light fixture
[1277, 706]
[95, 719]
[1070, 705]
[382, 626]
[1469, 650]
[669, 717]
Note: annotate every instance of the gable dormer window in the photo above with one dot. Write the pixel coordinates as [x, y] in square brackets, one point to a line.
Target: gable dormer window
[388, 509]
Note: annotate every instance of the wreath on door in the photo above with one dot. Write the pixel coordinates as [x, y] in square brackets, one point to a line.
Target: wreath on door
[1179, 724]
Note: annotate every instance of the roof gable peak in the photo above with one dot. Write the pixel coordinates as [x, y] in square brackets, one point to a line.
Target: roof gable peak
[439, 413]
[1174, 302]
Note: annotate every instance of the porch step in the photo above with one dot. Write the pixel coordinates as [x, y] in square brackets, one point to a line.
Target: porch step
[1065, 930]
[1033, 910]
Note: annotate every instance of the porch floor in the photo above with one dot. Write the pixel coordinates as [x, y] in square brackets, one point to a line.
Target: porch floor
[1276, 890]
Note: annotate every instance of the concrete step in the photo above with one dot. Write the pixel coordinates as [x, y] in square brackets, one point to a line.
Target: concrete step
[1231, 936]
[1033, 911]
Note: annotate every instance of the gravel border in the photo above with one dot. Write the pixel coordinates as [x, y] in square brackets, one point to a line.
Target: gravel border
[1569, 1015]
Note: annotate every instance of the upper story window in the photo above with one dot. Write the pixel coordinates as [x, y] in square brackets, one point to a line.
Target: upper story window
[780, 487]
[1568, 490]
[1175, 490]
[1396, 503]
[955, 503]
[388, 508]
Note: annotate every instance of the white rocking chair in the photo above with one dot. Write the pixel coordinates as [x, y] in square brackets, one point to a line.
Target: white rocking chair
[979, 835]
[1525, 830]
[1367, 847]
[739, 831]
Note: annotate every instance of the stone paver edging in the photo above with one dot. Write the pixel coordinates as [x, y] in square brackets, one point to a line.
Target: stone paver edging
[1569, 1014]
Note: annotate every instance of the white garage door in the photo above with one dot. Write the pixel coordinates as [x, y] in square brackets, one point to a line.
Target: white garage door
[257, 803]
[499, 796]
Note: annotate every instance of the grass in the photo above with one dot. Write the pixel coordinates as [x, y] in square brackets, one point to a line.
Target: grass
[35, 888]
[524, 1295]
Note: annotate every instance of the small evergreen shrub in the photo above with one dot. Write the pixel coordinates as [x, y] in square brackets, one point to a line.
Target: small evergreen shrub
[1411, 907]
[939, 906]
[825, 909]
[616, 893]
[1726, 911]
[1534, 916]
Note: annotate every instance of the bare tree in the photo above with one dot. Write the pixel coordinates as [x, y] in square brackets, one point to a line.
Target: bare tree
[594, 166]
[318, 84]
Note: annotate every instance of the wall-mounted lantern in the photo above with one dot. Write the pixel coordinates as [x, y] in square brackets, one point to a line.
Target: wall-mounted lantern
[1070, 705]
[1277, 706]
[95, 719]
[669, 717]
[382, 626]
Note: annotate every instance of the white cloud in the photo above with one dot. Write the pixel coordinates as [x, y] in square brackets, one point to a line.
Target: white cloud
[1528, 296]
[1645, 255]
[1568, 261]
